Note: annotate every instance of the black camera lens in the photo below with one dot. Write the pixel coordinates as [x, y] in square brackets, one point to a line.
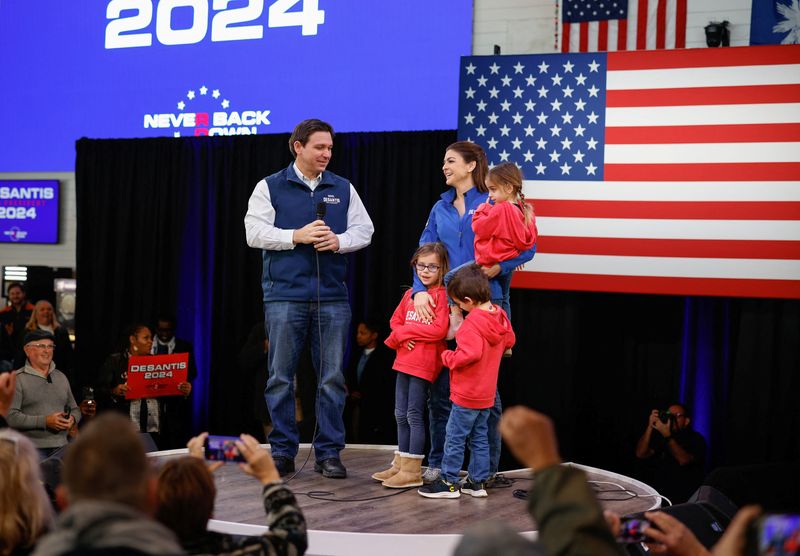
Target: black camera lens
[665, 416]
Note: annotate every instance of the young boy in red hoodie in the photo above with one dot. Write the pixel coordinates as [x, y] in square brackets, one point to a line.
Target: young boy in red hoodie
[483, 337]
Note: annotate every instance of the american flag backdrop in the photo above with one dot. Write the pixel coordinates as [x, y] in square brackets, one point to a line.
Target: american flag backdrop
[671, 172]
[600, 25]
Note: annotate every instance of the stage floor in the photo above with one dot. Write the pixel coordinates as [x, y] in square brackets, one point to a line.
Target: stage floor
[357, 515]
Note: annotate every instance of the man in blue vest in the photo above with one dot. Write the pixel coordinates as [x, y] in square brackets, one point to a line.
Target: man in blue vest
[304, 219]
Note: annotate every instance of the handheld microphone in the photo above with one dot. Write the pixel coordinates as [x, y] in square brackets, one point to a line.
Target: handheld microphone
[322, 208]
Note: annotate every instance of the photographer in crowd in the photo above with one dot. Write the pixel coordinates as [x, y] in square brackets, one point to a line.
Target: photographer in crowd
[673, 453]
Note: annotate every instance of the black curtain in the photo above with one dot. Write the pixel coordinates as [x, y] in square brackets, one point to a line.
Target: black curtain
[160, 228]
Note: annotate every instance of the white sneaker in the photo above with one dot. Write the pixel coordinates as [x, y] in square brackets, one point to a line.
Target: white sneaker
[431, 475]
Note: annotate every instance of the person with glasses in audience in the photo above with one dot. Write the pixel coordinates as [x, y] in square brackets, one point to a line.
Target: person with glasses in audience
[43, 408]
[672, 453]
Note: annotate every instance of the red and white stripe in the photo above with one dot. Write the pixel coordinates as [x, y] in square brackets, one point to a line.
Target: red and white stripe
[651, 25]
[702, 190]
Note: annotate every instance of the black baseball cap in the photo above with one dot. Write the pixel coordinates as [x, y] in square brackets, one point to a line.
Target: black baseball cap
[36, 335]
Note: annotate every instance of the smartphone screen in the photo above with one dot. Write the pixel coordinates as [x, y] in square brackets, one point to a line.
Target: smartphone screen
[779, 534]
[222, 448]
[632, 530]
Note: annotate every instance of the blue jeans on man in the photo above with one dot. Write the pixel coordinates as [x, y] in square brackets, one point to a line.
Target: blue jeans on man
[466, 426]
[289, 325]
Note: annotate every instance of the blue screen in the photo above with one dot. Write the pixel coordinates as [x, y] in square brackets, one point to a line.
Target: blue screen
[28, 211]
[145, 68]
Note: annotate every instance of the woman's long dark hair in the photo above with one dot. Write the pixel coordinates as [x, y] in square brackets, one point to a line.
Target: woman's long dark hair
[471, 152]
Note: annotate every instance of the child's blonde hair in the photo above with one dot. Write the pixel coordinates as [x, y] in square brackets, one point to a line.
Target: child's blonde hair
[437, 248]
[508, 174]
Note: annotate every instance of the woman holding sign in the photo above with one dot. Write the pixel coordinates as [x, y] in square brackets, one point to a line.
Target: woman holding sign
[113, 389]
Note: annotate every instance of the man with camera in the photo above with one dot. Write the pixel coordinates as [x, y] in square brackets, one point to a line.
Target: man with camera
[673, 453]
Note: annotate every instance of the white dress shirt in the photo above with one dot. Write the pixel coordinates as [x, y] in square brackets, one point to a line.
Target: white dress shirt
[261, 232]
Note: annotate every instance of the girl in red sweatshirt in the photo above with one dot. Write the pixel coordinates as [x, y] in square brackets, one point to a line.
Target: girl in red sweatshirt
[502, 231]
[419, 347]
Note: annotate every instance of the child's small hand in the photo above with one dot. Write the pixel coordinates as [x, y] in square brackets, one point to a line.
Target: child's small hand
[410, 345]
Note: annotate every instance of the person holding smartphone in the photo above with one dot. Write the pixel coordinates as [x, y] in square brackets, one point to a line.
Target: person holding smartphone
[185, 509]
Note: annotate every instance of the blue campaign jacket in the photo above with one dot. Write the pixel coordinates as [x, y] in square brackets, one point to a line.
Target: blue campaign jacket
[445, 225]
[291, 275]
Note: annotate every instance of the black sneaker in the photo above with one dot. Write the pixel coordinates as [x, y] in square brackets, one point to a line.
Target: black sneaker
[474, 489]
[440, 489]
[284, 465]
[332, 468]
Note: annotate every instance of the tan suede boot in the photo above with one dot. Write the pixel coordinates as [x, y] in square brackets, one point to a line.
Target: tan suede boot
[410, 472]
[391, 472]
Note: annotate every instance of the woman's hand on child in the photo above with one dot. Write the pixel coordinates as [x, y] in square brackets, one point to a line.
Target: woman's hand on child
[424, 305]
[410, 345]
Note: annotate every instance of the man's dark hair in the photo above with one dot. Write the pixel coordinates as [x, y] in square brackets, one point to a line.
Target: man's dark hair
[374, 324]
[107, 462]
[303, 131]
[683, 407]
[19, 285]
[167, 317]
[470, 281]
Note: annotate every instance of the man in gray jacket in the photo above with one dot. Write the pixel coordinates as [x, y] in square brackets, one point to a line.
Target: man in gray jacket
[43, 408]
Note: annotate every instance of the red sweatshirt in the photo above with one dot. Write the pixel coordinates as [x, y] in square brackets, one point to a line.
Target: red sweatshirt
[501, 233]
[475, 363]
[424, 361]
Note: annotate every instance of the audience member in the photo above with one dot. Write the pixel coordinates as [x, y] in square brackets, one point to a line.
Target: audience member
[369, 415]
[107, 496]
[674, 457]
[186, 495]
[178, 407]
[44, 408]
[25, 511]
[12, 324]
[569, 516]
[148, 414]
[668, 535]
[44, 318]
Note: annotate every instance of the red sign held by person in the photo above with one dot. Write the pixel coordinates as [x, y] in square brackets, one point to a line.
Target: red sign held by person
[153, 376]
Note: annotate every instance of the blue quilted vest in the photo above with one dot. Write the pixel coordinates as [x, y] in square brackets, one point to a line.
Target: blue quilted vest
[291, 275]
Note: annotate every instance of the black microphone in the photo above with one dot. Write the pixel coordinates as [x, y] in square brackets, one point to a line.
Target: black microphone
[49, 378]
[321, 210]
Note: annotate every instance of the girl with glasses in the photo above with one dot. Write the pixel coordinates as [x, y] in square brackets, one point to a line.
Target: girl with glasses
[419, 345]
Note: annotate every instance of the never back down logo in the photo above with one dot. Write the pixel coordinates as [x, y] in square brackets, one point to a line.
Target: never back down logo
[204, 111]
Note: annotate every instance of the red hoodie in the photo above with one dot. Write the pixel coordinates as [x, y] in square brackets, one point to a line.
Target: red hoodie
[501, 233]
[482, 339]
[424, 361]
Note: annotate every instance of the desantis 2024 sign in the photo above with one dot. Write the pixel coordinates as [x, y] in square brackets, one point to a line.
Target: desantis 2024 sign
[29, 211]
